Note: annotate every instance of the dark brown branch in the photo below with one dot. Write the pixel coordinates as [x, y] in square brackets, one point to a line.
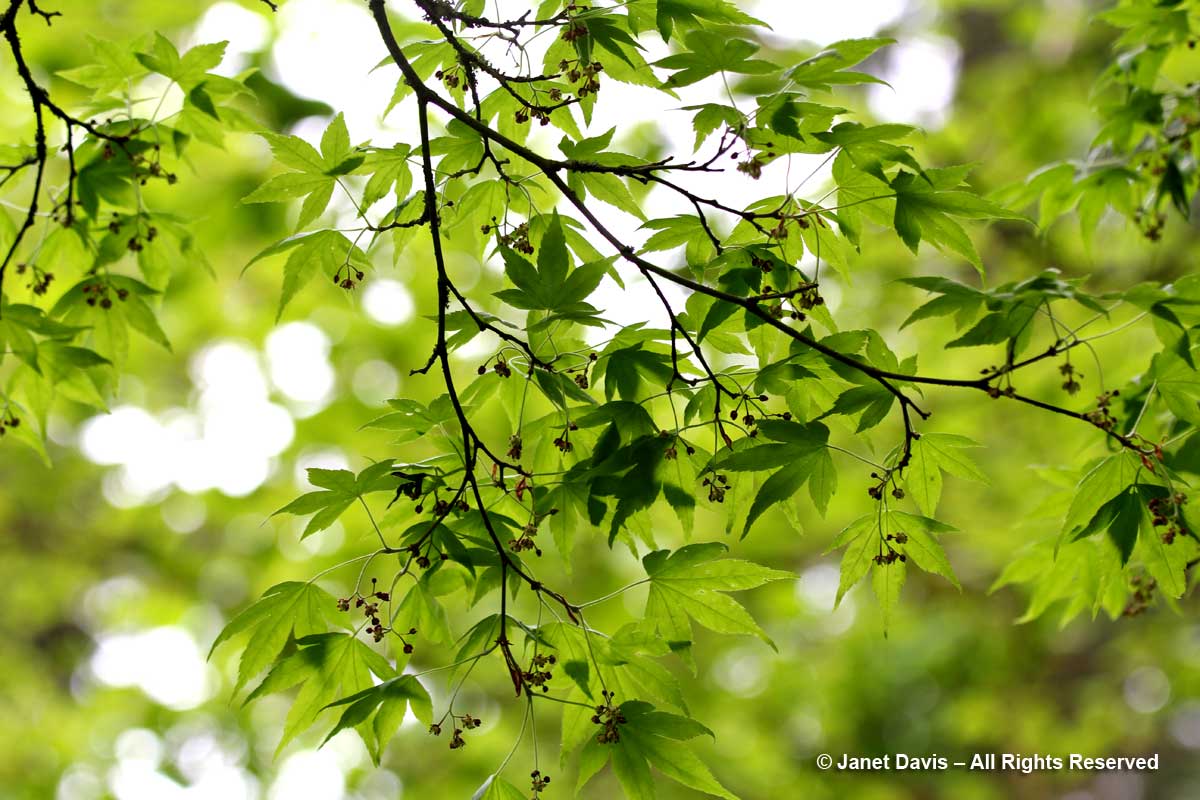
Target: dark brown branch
[41, 102]
[46, 15]
[444, 10]
[472, 443]
[471, 59]
[36, 99]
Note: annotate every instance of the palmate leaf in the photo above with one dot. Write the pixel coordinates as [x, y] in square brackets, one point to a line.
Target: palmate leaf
[76, 373]
[325, 666]
[1178, 384]
[963, 301]
[389, 172]
[384, 706]
[496, 788]
[1121, 518]
[310, 254]
[612, 190]
[651, 738]
[927, 204]
[189, 69]
[1087, 574]
[112, 65]
[673, 232]
[1105, 480]
[673, 15]
[420, 609]
[832, 65]
[933, 454]
[317, 171]
[552, 285]
[708, 53]
[689, 584]
[872, 535]
[800, 454]
[628, 667]
[337, 491]
[711, 116]
[625, 664]
[286, 610]
[630, 655]
[1168, 564]
[870, 401]
[116, 320]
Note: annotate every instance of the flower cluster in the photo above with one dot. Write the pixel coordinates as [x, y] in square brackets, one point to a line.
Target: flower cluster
[538, 675]
[8, 420]
[525, 541]
[98, 294]
[539, 783]
[347, 277]
[892, 555]
[717, 487]
[1071, 377]
[1165, 512]
[1102, 416]
[1143, 595]
[468, 723]
[40, 280]
[369, 605]
[609, 717]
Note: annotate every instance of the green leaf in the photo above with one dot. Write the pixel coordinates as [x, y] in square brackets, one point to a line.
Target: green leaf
[294, 152]
[338, 491]
[311, 254]
[650, 738]
[933, 454]
[708, 53]
[420, 609]
[553, 259]
[922, 547]
[335, 143]
[802, 453]
[913, 536]
[689, 583]
[1121, 518]
[1102, 483]
[872, 400]
[552, 285]
[1178, 385]
[389, 172]
[318, 172]
[142, 319]
[831, 65]
[925, 207]
[286, 610]
[496, 788]
[887, 580]
[675, 15]
[1167, 563]
[385, 706]
[861, 540]
[326, 667]
[612, 190]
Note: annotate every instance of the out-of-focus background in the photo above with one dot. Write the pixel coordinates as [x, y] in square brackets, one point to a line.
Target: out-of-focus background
[120, 564]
